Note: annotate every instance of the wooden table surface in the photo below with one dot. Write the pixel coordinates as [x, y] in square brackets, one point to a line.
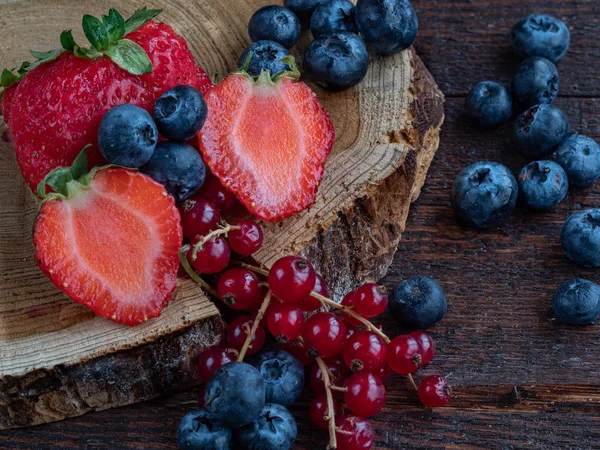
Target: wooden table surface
[521, 379]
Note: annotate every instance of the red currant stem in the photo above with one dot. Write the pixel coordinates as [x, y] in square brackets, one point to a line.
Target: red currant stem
[256, 269]
[354, 315]
[255, 325]
[330, 408]
[412, 381]
[192, 274]
[338, 388]
[224, 230]
[347, 433]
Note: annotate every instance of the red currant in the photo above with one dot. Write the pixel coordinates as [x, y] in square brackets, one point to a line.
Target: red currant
[404, 354]
[292, 279]
[199, 216]
[338, 373]
[247, 239]
[348, 300]
[364, 350]
[239, 289]
[213, 190]
[285, 320]
[370, 300]
[383, 374]
[213, 257]
[434, 391]
[201, 399]
[324, 334]
[358, 434]
[238, 332]
[426, 345]
[318, 412]
[366, 394]
[211, 359]
[310, 303]
[299, 351]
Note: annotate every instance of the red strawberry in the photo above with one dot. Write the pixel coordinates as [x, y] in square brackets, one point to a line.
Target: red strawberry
[267, 141]
[110, 241]
[55, 109]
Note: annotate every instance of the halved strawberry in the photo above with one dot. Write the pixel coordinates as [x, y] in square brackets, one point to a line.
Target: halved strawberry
[109, 239]
[267, 140]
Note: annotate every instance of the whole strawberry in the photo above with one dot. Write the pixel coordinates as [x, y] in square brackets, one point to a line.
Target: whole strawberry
[54, 105]
[109, 239]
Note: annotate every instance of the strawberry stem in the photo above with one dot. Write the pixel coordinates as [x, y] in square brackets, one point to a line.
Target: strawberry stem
[192, 274]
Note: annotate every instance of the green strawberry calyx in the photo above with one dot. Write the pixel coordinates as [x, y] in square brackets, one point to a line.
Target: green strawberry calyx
[107, 38]
[266, 77]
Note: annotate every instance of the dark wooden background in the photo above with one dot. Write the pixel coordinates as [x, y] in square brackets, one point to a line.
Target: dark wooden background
[522, 380]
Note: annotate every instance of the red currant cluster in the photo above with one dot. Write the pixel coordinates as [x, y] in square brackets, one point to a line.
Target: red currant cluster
[351, 358]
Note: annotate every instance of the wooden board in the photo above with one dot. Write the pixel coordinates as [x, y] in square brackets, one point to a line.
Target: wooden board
[57, 360]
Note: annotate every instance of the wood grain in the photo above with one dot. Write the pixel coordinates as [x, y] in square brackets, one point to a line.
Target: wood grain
[500, 332]
[387, 133]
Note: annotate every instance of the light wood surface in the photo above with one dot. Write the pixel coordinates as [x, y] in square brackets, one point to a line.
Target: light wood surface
[387, 132]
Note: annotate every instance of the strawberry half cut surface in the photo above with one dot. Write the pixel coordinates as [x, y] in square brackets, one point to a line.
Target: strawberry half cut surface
[109, 239]
[267, 139]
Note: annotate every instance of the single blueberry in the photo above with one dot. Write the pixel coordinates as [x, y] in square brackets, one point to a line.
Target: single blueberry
[333, 17]
[266, 55]
[275, 429]
[535, 82]
[387, 26]
[180, 113]
[577, 302]
[179, 167]
[274, 23]
[489, 104]
[580, 237]
[127, 136]
[283, 374]
[540, 35]
[543, 184]
[484, 194]
[336, 62]
[418, 303]
[580, 157]
[199, 431]
[303, 8]
[235, 395]
[539, 130]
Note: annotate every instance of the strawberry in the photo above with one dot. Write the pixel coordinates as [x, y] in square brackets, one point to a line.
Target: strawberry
[109, 239]
[53, 106]
[267, 140]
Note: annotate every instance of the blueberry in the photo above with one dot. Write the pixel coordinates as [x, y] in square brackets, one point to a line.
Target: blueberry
[418, 303]
[283, 374]
[274, 23]
[333, 17]
[336, 62]
[199, 431]
[536, 82]
[577, 302]
[540, 35]
[580, 237]
[387, 26]
[127, 136]
[180, 113]
[580, 157]
[489, 104]
[266, 55]
[303, 8]
[539, 130]
[275, 429]
[235, 395]
[543, 184]
[484, 194]
[179, 167]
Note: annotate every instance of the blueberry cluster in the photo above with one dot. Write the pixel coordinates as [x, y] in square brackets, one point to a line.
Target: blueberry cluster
[337, 58]
[246, 404]
[128, 136]
[485, 193]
